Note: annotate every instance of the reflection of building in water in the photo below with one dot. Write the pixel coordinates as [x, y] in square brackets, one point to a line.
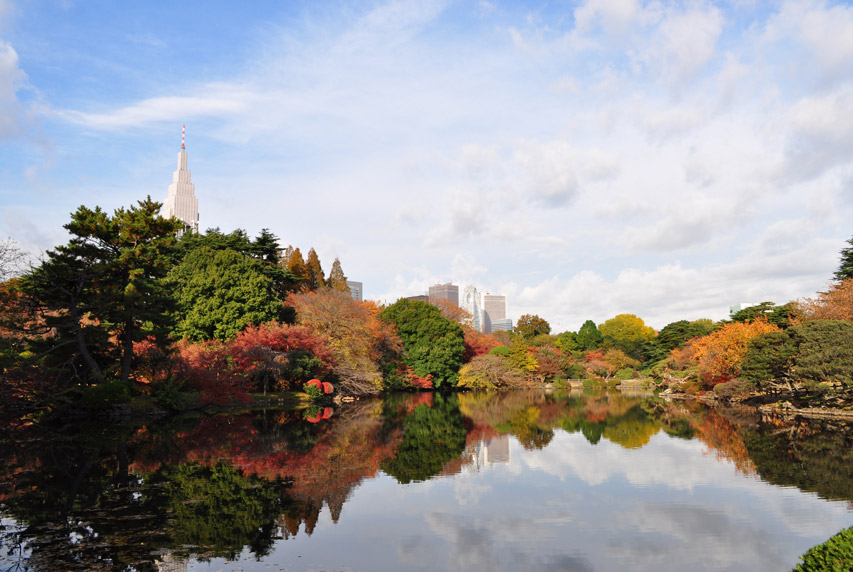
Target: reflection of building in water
[171, 563]
[497, 449]
[490, 452]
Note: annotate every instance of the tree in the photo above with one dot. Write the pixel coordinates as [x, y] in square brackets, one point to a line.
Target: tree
[219, 293]
[364, 346]
[316, 278]
[676, 334]
[589, 337]
[719, 354]
[265, 247]
[337, 280]
[453, 312]
[296, 266]
[113, 269]
[779, 315]
[490, 371]
[627, 327]
[433, 344]
[845, 266]
[12, 259]
[521, 356]
[531, 325]
[834, 304]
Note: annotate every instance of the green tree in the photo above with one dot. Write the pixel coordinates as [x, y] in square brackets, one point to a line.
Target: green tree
[818, 351]
[337, 280]
[112, 269]
[316, 278]
[568, 342]
[219, 293]
[531, 325]
[433, 345]
[589, 337]
[845, 266]
[778, 315]
[265, 247]
[627, 327]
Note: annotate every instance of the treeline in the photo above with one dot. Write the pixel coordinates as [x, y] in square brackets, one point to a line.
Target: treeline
[803, 347]
[126, 307]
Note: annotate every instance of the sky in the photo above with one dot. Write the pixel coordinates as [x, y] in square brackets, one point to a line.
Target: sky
[585, 158]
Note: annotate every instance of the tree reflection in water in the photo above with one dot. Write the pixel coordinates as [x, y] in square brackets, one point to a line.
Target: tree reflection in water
[102, 497]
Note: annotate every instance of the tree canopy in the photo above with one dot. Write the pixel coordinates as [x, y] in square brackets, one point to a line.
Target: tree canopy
[627, 327]
[845, 265]
[531, 325]
[219, 293]
[433, 345]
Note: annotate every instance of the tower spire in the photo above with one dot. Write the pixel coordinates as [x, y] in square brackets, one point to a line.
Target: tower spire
[183, 136]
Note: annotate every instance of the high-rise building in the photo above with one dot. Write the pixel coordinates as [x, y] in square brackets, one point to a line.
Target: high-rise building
[495, 306]
[494, 313]
[444, 292]
[472, 304]
[181, 202]
[356, 289]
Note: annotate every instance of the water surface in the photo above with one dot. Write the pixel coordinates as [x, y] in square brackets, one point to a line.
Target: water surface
[510, 481]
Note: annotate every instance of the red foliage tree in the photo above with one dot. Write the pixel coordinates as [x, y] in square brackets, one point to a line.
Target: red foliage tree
[477, 344]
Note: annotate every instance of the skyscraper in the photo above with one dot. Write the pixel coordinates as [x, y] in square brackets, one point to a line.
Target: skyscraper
[181, 202]
[494, 312]
[444, 292]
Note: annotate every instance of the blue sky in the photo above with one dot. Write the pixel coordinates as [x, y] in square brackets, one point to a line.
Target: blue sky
[585, 158]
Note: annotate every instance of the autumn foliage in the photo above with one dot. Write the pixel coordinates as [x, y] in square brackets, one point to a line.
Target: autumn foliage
[834, 304]
[719, 354]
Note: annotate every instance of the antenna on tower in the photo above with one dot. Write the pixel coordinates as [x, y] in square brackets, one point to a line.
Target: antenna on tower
[183, 136]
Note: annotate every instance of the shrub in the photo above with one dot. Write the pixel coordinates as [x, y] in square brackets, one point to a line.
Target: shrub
[625, 373]
[834, 554]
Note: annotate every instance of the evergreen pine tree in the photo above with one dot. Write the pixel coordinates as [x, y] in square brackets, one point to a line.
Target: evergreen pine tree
[845, 268]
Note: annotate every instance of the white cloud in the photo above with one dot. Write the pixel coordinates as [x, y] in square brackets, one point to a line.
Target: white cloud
[12, 79]
[690, 41]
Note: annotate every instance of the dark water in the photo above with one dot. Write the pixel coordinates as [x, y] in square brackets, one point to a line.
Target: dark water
[512, 481]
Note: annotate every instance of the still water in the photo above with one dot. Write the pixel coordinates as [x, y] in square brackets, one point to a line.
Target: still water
[476, 481]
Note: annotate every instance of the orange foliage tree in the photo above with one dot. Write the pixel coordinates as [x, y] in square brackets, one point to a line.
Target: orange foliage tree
[719, 354]
[361, 342]
[834, 304]
[453, 312]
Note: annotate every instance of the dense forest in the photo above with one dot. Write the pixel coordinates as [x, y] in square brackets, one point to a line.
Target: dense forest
[128, 309]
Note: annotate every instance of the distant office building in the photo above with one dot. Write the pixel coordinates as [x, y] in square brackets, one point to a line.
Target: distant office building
[738, 307]
[471, 303]
[356, 289]
[502, 325]
[494, 311]
[419, 297]
[444, 292]
[181, 202]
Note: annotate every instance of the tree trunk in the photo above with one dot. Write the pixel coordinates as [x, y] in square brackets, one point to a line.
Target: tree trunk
[83, 348]
[126, 350]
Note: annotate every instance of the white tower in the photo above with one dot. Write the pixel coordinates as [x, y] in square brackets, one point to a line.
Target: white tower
[181, 202]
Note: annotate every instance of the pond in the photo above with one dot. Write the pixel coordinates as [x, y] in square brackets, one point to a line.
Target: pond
[484, 481]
